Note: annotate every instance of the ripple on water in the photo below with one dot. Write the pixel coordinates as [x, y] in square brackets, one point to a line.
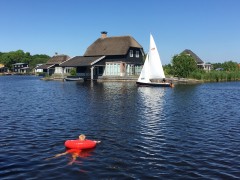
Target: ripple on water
[188, 132]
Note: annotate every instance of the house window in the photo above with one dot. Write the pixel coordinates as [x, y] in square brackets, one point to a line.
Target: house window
[112, 69]
[131, 53]
[137, 54]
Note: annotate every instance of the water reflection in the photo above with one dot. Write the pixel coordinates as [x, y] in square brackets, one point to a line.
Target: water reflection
[151, 101]
[188, 132]
[75, 154]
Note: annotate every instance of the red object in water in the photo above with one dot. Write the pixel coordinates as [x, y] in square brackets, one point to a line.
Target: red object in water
[77, 144]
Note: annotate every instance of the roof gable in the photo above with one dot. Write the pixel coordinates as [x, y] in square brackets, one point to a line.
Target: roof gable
[195, 57]
[118, 45]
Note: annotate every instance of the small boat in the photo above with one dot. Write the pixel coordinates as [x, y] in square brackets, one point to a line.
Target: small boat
[152, 71]
[78, 144]
[73, 79]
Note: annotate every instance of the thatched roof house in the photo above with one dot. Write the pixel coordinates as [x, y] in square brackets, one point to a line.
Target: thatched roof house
[51, 66]
[109, 56]
[200, 62]
[195, 57]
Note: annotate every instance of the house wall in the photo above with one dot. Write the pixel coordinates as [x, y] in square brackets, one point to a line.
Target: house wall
[134, 57]
[19, 68]
[83, 71]
[121, 69]
[58, 70]
[3, 68]
[125, 65]
[38, 70]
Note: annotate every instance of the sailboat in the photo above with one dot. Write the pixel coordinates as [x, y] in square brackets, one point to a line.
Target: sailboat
[152, 71]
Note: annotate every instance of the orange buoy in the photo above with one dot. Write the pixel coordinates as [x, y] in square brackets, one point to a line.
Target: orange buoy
[77, 144]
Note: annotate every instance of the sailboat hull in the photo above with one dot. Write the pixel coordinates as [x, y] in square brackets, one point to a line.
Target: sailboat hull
[155, 84]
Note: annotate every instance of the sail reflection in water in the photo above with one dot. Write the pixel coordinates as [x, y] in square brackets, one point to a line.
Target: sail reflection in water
[186, 132]
[152, 102]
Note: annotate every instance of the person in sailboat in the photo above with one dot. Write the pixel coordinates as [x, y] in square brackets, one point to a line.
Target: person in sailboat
[164, 80]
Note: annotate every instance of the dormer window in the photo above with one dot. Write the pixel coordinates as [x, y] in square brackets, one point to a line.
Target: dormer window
[137, 54]
[131, 53]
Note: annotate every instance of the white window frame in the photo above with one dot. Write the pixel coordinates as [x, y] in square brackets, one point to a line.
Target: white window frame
[131, 53]
[137, 54]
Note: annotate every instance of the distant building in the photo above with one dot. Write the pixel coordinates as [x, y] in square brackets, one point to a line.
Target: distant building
[21, 68]
[36, 70]
[52, 65]
[3, 69]
[200, 63]
[115, 56]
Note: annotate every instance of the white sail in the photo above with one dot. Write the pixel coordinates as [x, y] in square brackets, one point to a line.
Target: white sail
[152, 68]
[144, 76]
[155, 62]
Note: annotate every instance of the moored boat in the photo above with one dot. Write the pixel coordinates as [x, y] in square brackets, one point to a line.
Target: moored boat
[73, 79]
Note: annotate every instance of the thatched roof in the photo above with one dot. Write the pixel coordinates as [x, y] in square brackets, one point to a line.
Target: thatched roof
[58, 59]
[81, 61]
[195, 57]
[118, 45]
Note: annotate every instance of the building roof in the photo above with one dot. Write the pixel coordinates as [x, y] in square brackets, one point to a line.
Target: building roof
[195, 57]
[45, 66]
[19, 63]
[118, 45]
[81, 61]
[57, 59]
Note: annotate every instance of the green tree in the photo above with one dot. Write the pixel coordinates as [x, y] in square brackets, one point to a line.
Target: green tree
[183, 65]
[168, 69]
[10, 58]
[217, 65]
[38, 59]
[230, 66]
[73, 72]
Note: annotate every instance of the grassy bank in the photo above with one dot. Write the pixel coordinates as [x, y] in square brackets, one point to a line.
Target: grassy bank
[216, 76]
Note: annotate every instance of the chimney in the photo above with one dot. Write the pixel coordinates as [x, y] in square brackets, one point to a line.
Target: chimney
[103, 34]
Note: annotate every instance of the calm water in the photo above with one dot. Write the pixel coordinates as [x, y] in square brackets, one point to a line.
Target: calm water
[188, 132]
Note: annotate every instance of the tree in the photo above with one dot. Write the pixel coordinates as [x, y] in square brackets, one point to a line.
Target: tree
[183, 65]
[217, 65]
[230, 66]
[10, 58]
[38, 59]
[73, 72]
[168, 69]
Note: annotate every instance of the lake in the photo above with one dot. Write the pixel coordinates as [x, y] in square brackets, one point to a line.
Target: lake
[185, 132]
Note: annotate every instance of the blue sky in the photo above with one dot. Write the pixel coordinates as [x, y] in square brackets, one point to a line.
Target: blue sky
[210, 28]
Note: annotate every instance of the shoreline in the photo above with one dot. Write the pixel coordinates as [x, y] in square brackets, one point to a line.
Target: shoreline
[175, 80]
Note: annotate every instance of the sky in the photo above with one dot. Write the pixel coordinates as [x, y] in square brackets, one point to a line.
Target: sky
[210, 28]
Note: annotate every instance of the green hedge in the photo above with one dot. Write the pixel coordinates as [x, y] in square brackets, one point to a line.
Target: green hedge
[215, 75]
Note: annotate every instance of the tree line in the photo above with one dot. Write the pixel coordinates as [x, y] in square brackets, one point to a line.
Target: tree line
[185, 66]
[19, 56]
